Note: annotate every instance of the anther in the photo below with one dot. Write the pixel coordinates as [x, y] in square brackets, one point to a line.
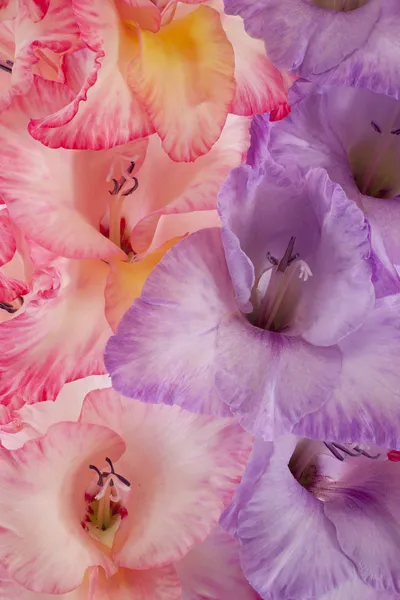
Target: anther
[395, 132]
[335, 448]
[100, 474]
[288, 256]
[376, 127]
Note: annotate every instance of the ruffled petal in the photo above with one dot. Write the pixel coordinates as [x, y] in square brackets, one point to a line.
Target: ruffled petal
[164, 349]
[104, 113]
[8, 244]
[366, 404]
[270, 381]
[37, 9]
[288, 546]
[58, 338]
[184, 78]
[149, 584]
[182, 467]
[365, 510]
[355, 589]
[181, 188]
[212, 570]
[43, 545]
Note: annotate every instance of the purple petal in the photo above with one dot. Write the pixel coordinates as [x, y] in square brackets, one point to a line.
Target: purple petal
[164, 349]
[270, 381]
[366, 403]
[289, 547]
[355, 589]
[365, 510]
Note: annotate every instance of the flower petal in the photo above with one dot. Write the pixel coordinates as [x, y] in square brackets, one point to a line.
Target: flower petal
[43, 545]
[184, 188]
[365, 510]
[125, 282]
[212, 570]
[164, 349]
[260, 87]
[104, 112]
[37, 9]
[356, 590]
[270, 381]
[56, 339]
[184, 78]
[8, 244]
[366, 404]
[182, 467]
[150, 584]
[288, 546]
[49, 193]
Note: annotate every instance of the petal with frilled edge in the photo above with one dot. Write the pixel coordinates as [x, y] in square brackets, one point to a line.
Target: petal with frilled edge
[57, 339]
[43, 545]
[164, 349]
[184, 78]
[104, 113]
[183, 469]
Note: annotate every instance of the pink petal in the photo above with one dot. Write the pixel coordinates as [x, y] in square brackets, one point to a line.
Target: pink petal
[178, 225]
[104, 112]
[59, 337]
[212, 570]
[8, 244]
[37, 9]
[42, 543]
[58, 198]
[183, 187]
[8, 9]
[183, 77]
[10, 590]
[259, 85]
[150, 584]
[183, 469]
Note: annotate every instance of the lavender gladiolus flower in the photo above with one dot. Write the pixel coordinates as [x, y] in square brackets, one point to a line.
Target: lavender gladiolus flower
[319, 520]
[354, 135]
[340, 42]
[256, 320]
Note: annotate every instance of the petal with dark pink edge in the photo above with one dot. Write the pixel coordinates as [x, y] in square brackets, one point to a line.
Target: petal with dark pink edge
[183, 469]
[260, 86]
[40, 46]
[288, 546]
[181, 188]
[184, 78]
[164, 349]
[56, 339]
[149, 584]
[104, 113]
[43, 545]
[56, 197]
[269, 380]
[212, 570]
[37, 9]
[8, 244]
[366, 404]
[365, 510]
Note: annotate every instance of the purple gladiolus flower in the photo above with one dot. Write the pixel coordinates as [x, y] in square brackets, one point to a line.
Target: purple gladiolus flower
[340, 42]
[257, 323]
[318, 520]
[355, 135]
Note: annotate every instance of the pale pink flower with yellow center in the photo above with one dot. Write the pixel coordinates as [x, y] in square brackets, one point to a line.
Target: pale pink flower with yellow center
[97, 222]
[118, 499]
[166, 67]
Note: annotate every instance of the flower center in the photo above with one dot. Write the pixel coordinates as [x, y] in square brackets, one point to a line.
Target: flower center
[313, 468]
[340, 5]
[277, 290]
[374, 160]
[105, 508]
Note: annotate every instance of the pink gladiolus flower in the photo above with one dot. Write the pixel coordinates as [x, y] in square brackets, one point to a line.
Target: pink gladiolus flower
[175, 69]
[102, 220]
[134, 489]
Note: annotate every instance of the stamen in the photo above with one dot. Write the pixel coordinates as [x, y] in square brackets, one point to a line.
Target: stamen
[6, 66]
[287, 258]
[395, 132]
[376, 127]
[100, 474]
[12, 307]
[119, 193]
[354, 452]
